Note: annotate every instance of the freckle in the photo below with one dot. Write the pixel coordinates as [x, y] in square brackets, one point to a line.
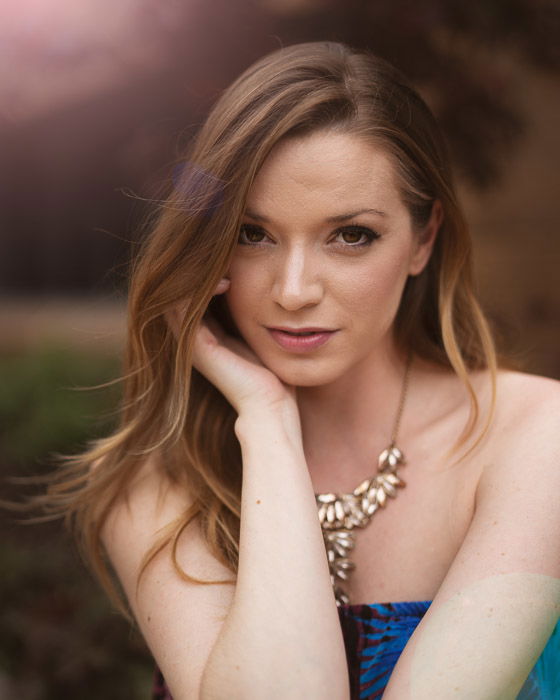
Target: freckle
[258, 500]
[495, 522]
[237, 667]
[502, 554]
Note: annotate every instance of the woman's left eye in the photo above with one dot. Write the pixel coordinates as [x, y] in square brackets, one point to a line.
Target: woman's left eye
[356, 236]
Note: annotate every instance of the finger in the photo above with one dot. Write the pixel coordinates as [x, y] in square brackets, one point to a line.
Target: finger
[209, 323]
[220, 337]
[176, 315]
[222, 286]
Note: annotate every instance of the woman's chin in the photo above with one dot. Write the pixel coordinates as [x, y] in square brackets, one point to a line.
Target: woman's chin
[304, 374]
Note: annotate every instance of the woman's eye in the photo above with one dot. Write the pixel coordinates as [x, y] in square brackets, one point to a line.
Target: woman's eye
[356, 236]
[250, 235]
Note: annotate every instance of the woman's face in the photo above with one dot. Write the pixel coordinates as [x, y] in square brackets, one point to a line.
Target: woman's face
[326, 243]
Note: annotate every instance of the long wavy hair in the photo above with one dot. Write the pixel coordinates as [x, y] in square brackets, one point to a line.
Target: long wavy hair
[171, 410]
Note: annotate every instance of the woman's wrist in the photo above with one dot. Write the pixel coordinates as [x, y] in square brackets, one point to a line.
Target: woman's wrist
[280, 419]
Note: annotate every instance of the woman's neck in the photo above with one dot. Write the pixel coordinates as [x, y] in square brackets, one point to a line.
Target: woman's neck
[347, 421]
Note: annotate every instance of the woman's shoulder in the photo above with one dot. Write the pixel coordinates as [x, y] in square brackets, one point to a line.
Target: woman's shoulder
[147, 505]
[519, 396]
[522, 417]
[524, 435]
[523, 398]
[523, 381]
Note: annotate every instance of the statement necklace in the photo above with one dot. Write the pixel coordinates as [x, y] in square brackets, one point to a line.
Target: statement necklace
[340, 513]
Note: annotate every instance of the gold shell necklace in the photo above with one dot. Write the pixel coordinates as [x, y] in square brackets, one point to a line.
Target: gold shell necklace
[340, 513]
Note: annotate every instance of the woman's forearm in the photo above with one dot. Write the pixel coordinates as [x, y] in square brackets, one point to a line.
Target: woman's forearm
[282, 636]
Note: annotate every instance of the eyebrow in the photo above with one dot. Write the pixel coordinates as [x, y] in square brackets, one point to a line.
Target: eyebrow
[331, 219]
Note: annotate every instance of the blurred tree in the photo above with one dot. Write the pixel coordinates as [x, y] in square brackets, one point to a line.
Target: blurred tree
[462, 56]
[65, 217]
[59, 636]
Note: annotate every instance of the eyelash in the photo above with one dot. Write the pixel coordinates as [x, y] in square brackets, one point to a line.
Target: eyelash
[370, 235]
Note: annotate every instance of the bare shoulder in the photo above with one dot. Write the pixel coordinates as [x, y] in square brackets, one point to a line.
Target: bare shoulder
[527, 402]
[523, 443]
[531, 385]
[150, 508]
[502, 589]
[147, 505]
[179, 618]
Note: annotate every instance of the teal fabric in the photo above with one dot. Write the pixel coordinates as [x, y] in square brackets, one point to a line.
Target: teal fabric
[376, 634]
[544, 681]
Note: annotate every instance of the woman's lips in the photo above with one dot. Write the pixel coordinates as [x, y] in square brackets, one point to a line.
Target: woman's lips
[300, 343]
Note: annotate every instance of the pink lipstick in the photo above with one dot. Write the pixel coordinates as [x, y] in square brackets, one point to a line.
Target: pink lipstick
[300, 339]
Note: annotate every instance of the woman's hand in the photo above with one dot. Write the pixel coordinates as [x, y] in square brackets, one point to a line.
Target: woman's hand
[236, 371]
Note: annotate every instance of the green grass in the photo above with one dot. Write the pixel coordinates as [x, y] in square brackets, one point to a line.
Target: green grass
[45, 404]
[59, 636]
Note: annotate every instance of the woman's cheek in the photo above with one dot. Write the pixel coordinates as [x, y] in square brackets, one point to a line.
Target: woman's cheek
[358, 289]
[241, 300]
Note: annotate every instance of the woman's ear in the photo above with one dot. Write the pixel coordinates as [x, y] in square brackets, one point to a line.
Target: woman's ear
[425, 240]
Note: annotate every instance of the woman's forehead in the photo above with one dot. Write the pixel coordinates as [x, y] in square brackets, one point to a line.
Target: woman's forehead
[342, 169]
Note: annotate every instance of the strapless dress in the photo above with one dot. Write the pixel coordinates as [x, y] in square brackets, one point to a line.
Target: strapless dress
[375, 636]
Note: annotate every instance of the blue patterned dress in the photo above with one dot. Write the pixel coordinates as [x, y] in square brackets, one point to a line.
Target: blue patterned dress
[375, 636]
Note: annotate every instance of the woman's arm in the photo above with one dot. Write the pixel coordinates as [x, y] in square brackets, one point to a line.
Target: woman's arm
[282, 637]
[500, 600]
[276, 635]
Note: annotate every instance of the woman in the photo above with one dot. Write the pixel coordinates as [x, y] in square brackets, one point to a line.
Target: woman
[313, 266]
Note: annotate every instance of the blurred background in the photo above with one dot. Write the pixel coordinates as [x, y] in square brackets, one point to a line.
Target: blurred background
[97, 98]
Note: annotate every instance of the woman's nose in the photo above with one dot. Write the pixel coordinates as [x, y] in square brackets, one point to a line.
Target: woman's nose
[296, 282]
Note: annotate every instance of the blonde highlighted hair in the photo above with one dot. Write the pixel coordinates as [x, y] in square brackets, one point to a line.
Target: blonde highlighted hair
[168, 408]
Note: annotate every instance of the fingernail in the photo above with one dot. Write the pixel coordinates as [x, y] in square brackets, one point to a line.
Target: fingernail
[222, 285]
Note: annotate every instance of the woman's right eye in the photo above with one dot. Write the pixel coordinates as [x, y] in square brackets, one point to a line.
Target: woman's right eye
[250, 234]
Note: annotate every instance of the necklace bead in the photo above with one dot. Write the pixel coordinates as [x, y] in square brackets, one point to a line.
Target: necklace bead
[340, 513]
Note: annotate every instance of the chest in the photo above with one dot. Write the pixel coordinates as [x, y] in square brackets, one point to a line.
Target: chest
[405, 551]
